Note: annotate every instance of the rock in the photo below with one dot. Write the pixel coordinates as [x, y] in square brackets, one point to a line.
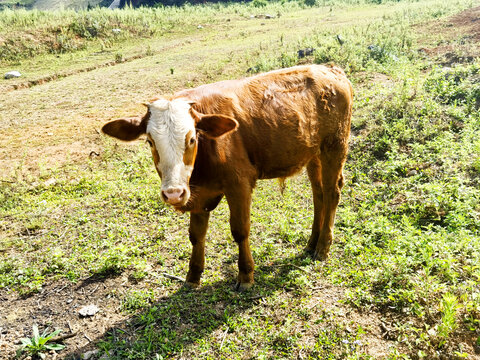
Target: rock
[12, 75]
[89, 354]
[199, 27]
[88, 310]
[340, 39]
[50, 182]
[116, 31]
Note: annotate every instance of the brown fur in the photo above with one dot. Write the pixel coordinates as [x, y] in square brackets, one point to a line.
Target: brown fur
[287, 119]
[190, 150]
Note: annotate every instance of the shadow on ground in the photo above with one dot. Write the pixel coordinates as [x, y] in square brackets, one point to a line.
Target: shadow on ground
[187, 316]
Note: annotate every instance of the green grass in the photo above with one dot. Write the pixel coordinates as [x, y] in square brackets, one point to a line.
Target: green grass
[407, 247]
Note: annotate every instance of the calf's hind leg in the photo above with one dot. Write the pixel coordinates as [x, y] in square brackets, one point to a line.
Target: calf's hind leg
[314, 170]
[333, 154]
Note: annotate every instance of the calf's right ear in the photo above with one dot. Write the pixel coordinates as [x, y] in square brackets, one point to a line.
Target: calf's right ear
[125, 129]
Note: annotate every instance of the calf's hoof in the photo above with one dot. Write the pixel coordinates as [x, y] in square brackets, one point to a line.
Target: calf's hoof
[190, 285]
[309, 252]
[321, 255]
[241, 287]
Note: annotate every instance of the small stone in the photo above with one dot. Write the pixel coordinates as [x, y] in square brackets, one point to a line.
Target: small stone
[199, 27]
[12, 75]
[412, 173]
[89, 354]
[88, 310]
[116, 31]
[50, 182]
[340, 39]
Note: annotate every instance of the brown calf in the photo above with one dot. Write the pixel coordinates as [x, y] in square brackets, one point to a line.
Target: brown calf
[217, 140]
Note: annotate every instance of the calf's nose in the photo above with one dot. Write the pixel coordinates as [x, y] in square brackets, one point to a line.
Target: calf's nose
[173, 195]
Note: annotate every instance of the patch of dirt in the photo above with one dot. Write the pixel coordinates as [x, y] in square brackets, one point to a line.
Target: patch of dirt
[57, 306]
[468, 21]
[375, 341]
[461, 34]
[53, 157]
[48, 78]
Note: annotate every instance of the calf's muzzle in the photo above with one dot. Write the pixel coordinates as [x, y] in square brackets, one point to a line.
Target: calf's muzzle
[174, 196]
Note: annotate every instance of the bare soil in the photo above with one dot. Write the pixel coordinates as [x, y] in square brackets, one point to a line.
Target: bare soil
[461, 34]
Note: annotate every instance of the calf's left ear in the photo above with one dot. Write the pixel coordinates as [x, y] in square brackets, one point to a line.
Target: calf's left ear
[215, 125]
[125, 129]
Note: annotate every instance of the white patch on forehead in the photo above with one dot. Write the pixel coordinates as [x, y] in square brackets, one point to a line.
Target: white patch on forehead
[168, 125]
[170, 117]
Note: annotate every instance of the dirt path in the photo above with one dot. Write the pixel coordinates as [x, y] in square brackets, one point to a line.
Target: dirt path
[66, 113]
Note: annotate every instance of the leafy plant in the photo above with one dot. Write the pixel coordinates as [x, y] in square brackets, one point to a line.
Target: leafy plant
[449, 323]
[38, 344]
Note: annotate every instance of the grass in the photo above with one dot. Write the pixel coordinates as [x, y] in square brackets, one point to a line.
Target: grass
[406, 253]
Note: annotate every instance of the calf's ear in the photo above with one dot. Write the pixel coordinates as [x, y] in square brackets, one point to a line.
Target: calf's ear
[216, 125]
[125, 129]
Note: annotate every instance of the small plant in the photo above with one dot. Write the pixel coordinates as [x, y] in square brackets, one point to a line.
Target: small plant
[259, 3]
[38, 344]
[137, 299]
[118, 58]
[149, 51]
[449, 323]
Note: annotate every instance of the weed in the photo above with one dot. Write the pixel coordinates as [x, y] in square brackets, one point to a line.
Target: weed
[449, 308]
[137, 300]
[119, 58]
[38, 345]
[259, 3]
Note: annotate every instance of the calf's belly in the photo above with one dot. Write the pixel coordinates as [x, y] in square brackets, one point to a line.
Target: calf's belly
[284, 168]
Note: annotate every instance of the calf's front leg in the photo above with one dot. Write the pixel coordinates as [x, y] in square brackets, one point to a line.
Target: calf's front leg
[239, 204]
[197, 231]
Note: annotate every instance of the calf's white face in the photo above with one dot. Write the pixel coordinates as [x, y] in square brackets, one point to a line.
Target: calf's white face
[172, 136]
[171, 128]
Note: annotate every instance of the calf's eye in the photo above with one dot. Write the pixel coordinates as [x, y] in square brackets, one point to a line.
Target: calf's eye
[192, 141]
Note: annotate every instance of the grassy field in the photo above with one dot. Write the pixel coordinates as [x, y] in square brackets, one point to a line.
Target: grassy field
[81, 221]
